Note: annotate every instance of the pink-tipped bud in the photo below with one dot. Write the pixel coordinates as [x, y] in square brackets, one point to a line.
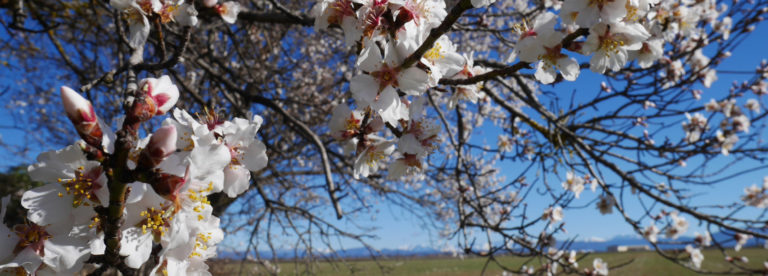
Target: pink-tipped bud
[80, 112]
[163, 142]
[157, 96]
[162, 92]
[78, 108]
[161, 145]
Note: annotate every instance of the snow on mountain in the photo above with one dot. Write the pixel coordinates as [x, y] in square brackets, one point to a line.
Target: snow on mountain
[595, 244]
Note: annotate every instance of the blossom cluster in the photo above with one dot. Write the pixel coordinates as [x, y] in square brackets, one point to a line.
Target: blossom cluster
[736, 121]
[621, 31]
[756, 196]
[173, 171]
[168, 176]
[140, 14]
[555, 256]
[387, 92]
[677, 225]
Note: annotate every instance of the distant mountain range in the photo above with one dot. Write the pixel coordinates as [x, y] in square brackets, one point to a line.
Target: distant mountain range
[589, 244]
[725, 240]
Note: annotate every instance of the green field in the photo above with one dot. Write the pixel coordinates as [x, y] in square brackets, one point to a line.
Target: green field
[637, 263]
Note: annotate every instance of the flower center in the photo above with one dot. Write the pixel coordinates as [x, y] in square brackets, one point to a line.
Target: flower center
[374, 18]
[373, 157]
[82, 187]
[210, 118]
[32, 236]
[610, 44]
[350, 125]
[200, 200]
[632, 13]
[341, 8]
[201, 243]
[156, 221]
[434, 53]
[417, 9]
[146, 6]
[166, 14]
[387, 76]
[551, 55]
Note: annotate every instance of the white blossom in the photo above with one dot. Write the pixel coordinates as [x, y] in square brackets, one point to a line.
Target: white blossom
[587, 13]
[610, 44]
[228, 11]
[600, 267]
[573, 183]
[696, 125]
[677, 226]
[696, 256]
[651, 233]
[553, 214]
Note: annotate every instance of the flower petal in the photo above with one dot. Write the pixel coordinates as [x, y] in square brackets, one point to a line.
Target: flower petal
[364, 90]
[237, 180]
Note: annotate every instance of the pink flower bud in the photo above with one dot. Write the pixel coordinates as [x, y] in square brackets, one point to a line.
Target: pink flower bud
[161, 145]
[78, 108]
[162, 92]
[80, 112]
[163, 142]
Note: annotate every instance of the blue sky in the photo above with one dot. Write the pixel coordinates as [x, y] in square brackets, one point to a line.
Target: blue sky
[398, 228]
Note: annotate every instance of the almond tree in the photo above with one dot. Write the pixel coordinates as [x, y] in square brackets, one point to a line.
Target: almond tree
[365, 101]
